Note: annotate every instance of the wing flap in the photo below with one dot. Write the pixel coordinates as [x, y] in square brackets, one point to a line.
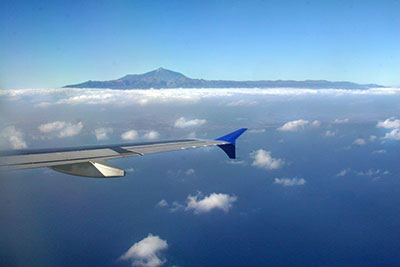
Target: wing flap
[94, 169]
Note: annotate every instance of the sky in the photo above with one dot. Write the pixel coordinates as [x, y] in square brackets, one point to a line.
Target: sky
[315, 183]
[48, 44]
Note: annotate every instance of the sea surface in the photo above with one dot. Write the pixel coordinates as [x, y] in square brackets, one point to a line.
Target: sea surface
[325, 191]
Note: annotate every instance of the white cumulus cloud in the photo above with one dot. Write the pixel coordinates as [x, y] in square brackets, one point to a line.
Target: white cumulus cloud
[330, 133]
[343, 172]
[102, 133]
[183, 123]
[146, 252]
[162, 203]
[359, 142]
[14, 137]
[290, 182]
[71, 130]
[241, 102]
[293, 125]
[51, 126]
[316, 123]
[256, 131]
[61, 128]
[393, 134]
[263, 159]
[190, 172]
[192, 135]
[151, 135]
[373, 172]
[390, 123]
[341, 120]
[208, 203]
[130, 135]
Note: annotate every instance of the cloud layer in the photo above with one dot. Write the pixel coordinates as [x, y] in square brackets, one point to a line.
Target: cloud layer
[146, 252]
[75, 96]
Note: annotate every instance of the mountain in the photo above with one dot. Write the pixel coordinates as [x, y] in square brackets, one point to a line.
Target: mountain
[163, 78]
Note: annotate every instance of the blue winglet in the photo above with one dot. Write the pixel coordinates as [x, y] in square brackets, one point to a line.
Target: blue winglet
[230, 149]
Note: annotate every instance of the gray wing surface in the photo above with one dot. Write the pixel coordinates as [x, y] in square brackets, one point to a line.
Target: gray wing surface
[23, 159]
[90, 161]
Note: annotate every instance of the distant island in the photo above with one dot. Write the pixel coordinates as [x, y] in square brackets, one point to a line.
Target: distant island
[163, 78]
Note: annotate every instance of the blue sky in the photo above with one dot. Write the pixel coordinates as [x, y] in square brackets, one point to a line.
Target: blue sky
[53, 43]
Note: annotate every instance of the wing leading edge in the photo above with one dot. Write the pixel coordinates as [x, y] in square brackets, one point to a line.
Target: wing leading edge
[90, 161]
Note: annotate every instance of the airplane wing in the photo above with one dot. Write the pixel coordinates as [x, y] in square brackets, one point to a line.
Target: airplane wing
[90, 161]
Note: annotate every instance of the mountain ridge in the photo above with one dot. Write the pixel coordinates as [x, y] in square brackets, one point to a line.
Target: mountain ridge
[163, 79]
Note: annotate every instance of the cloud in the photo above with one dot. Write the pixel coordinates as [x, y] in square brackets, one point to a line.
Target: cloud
[61, 128]
[330, 133]
[43, 105]
[97, 96]
[102, 133]
[146, 252]
[236, 162]
[208, 203]
[372, 172]
[381, 151]
[343, 172]
[257, 130]
[151, 135]
[162, 203]
[290, 182]
[293, 125]
[182, 123]
[394, 134]
[316, 123]
[390, 123]
[14, 137]
[359, 142]
[241, 102]
[263, 159]
[192, 135]
[130, 169]
[176, 206]
[372, 138]
[51, 126]
[130, 135]
[394, 125]
[71, 130]
[190, 172]
[341, 121]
